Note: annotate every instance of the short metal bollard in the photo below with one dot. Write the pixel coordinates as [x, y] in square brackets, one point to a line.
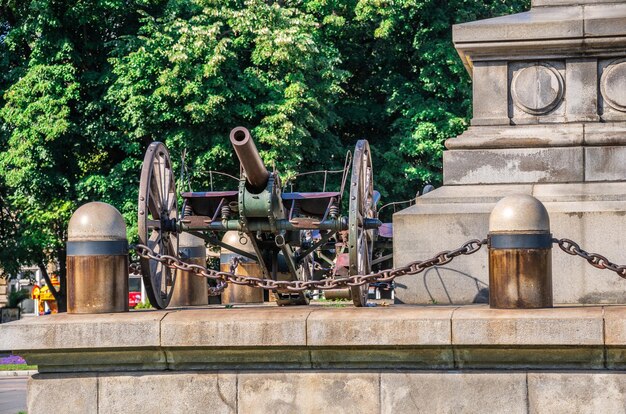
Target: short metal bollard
[190, 289]
[246, 267]
[97, 260]
[520, 254]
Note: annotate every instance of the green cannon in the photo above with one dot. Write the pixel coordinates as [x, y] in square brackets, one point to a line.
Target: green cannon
[294, 235]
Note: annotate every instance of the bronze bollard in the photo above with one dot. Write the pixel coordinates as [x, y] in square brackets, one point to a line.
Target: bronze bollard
[97, 260]
[190, 289]
[246, 267]
[520, 254]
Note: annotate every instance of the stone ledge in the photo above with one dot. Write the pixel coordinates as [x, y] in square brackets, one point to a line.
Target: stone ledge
[560, 22]
[531, 327]
[63, 331]
[423, 337]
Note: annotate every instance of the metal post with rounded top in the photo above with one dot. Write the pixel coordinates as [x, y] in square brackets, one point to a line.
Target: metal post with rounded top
[97, 260]
[520, 254]
[245, 267]
[190, 289]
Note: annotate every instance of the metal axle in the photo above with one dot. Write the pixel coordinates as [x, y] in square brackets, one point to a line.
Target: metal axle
[339, 224]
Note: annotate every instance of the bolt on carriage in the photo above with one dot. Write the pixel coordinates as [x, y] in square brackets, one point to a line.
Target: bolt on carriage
[294, 235]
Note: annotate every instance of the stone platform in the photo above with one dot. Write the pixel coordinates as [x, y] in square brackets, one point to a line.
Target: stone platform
[309, 359]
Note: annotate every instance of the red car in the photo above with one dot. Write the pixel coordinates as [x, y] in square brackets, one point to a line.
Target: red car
[134, 291]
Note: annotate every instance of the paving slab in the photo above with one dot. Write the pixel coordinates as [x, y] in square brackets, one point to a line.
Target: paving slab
[380, 326]
[65, 331]
[254, 326]
[532, 327]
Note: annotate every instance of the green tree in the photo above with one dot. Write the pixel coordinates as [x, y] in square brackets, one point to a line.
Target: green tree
[86, 85]
[53, 65]
[204, 67]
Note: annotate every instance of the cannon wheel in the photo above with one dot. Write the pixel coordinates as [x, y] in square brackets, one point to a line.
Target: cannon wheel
[156, 222]
[361, 241]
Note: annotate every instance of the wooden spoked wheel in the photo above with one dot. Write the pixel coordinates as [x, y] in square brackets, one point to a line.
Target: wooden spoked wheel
[157, 222]
[362, 206]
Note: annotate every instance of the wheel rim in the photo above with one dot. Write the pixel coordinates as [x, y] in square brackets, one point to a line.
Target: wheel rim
[156, 222]
[360, 241]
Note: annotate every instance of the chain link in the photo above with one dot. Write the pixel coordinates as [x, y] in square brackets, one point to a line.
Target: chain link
[388, 275]
[594, 259]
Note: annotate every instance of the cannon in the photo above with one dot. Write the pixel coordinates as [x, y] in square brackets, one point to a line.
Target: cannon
[294, 235]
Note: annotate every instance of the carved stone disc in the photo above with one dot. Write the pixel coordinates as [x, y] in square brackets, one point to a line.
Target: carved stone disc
[537, 89]
[613, 85]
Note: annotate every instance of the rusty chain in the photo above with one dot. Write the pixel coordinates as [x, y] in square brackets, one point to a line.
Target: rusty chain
[594, 259]
[472, 246]
[222, 278]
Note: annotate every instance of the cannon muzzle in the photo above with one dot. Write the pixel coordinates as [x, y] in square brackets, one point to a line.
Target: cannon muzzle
[256, 173]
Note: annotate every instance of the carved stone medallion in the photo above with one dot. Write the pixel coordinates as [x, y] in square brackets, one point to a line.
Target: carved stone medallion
[537, 89]
[613, 85]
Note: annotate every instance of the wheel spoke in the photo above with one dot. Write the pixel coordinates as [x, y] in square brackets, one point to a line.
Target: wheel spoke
[154, 200]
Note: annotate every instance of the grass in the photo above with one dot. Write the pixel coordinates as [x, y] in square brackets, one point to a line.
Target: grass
[17, 367]
[334, 303]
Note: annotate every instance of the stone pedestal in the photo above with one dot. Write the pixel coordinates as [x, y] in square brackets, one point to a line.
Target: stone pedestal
[549, 120]
[398, 359]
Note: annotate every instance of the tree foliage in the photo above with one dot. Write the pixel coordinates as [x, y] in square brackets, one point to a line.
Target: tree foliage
[86, 85]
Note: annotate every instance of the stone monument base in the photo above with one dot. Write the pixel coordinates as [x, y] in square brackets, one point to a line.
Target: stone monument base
[396, 359]
[592, 214]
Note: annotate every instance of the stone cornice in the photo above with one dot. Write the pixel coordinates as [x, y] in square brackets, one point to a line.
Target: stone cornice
[544, 33]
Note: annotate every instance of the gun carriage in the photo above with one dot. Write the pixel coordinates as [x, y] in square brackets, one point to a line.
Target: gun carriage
[294, 235]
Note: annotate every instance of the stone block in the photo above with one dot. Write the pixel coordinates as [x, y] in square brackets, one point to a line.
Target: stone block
[254, 326]
[468, 194]
[519, 165]
[62, 393]
[581, 94]
[605, 163]
[615, 336]
[490, 94]
[422, 231]
[555, 23]
[605, 19]
[390, 357]
[392, 326]
[519, 136]
[205, 358]
[605, 133]
[579, 192]
[64, 331]
[453, 392]
[576, 392]
[552, 3]
[615, 325]
[529, 357]
[179, 392]
[309, 392]
[97, 360]
[598, 226]
[576, 326]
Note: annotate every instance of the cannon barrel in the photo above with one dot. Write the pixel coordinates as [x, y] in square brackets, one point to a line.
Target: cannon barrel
[256, 173]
